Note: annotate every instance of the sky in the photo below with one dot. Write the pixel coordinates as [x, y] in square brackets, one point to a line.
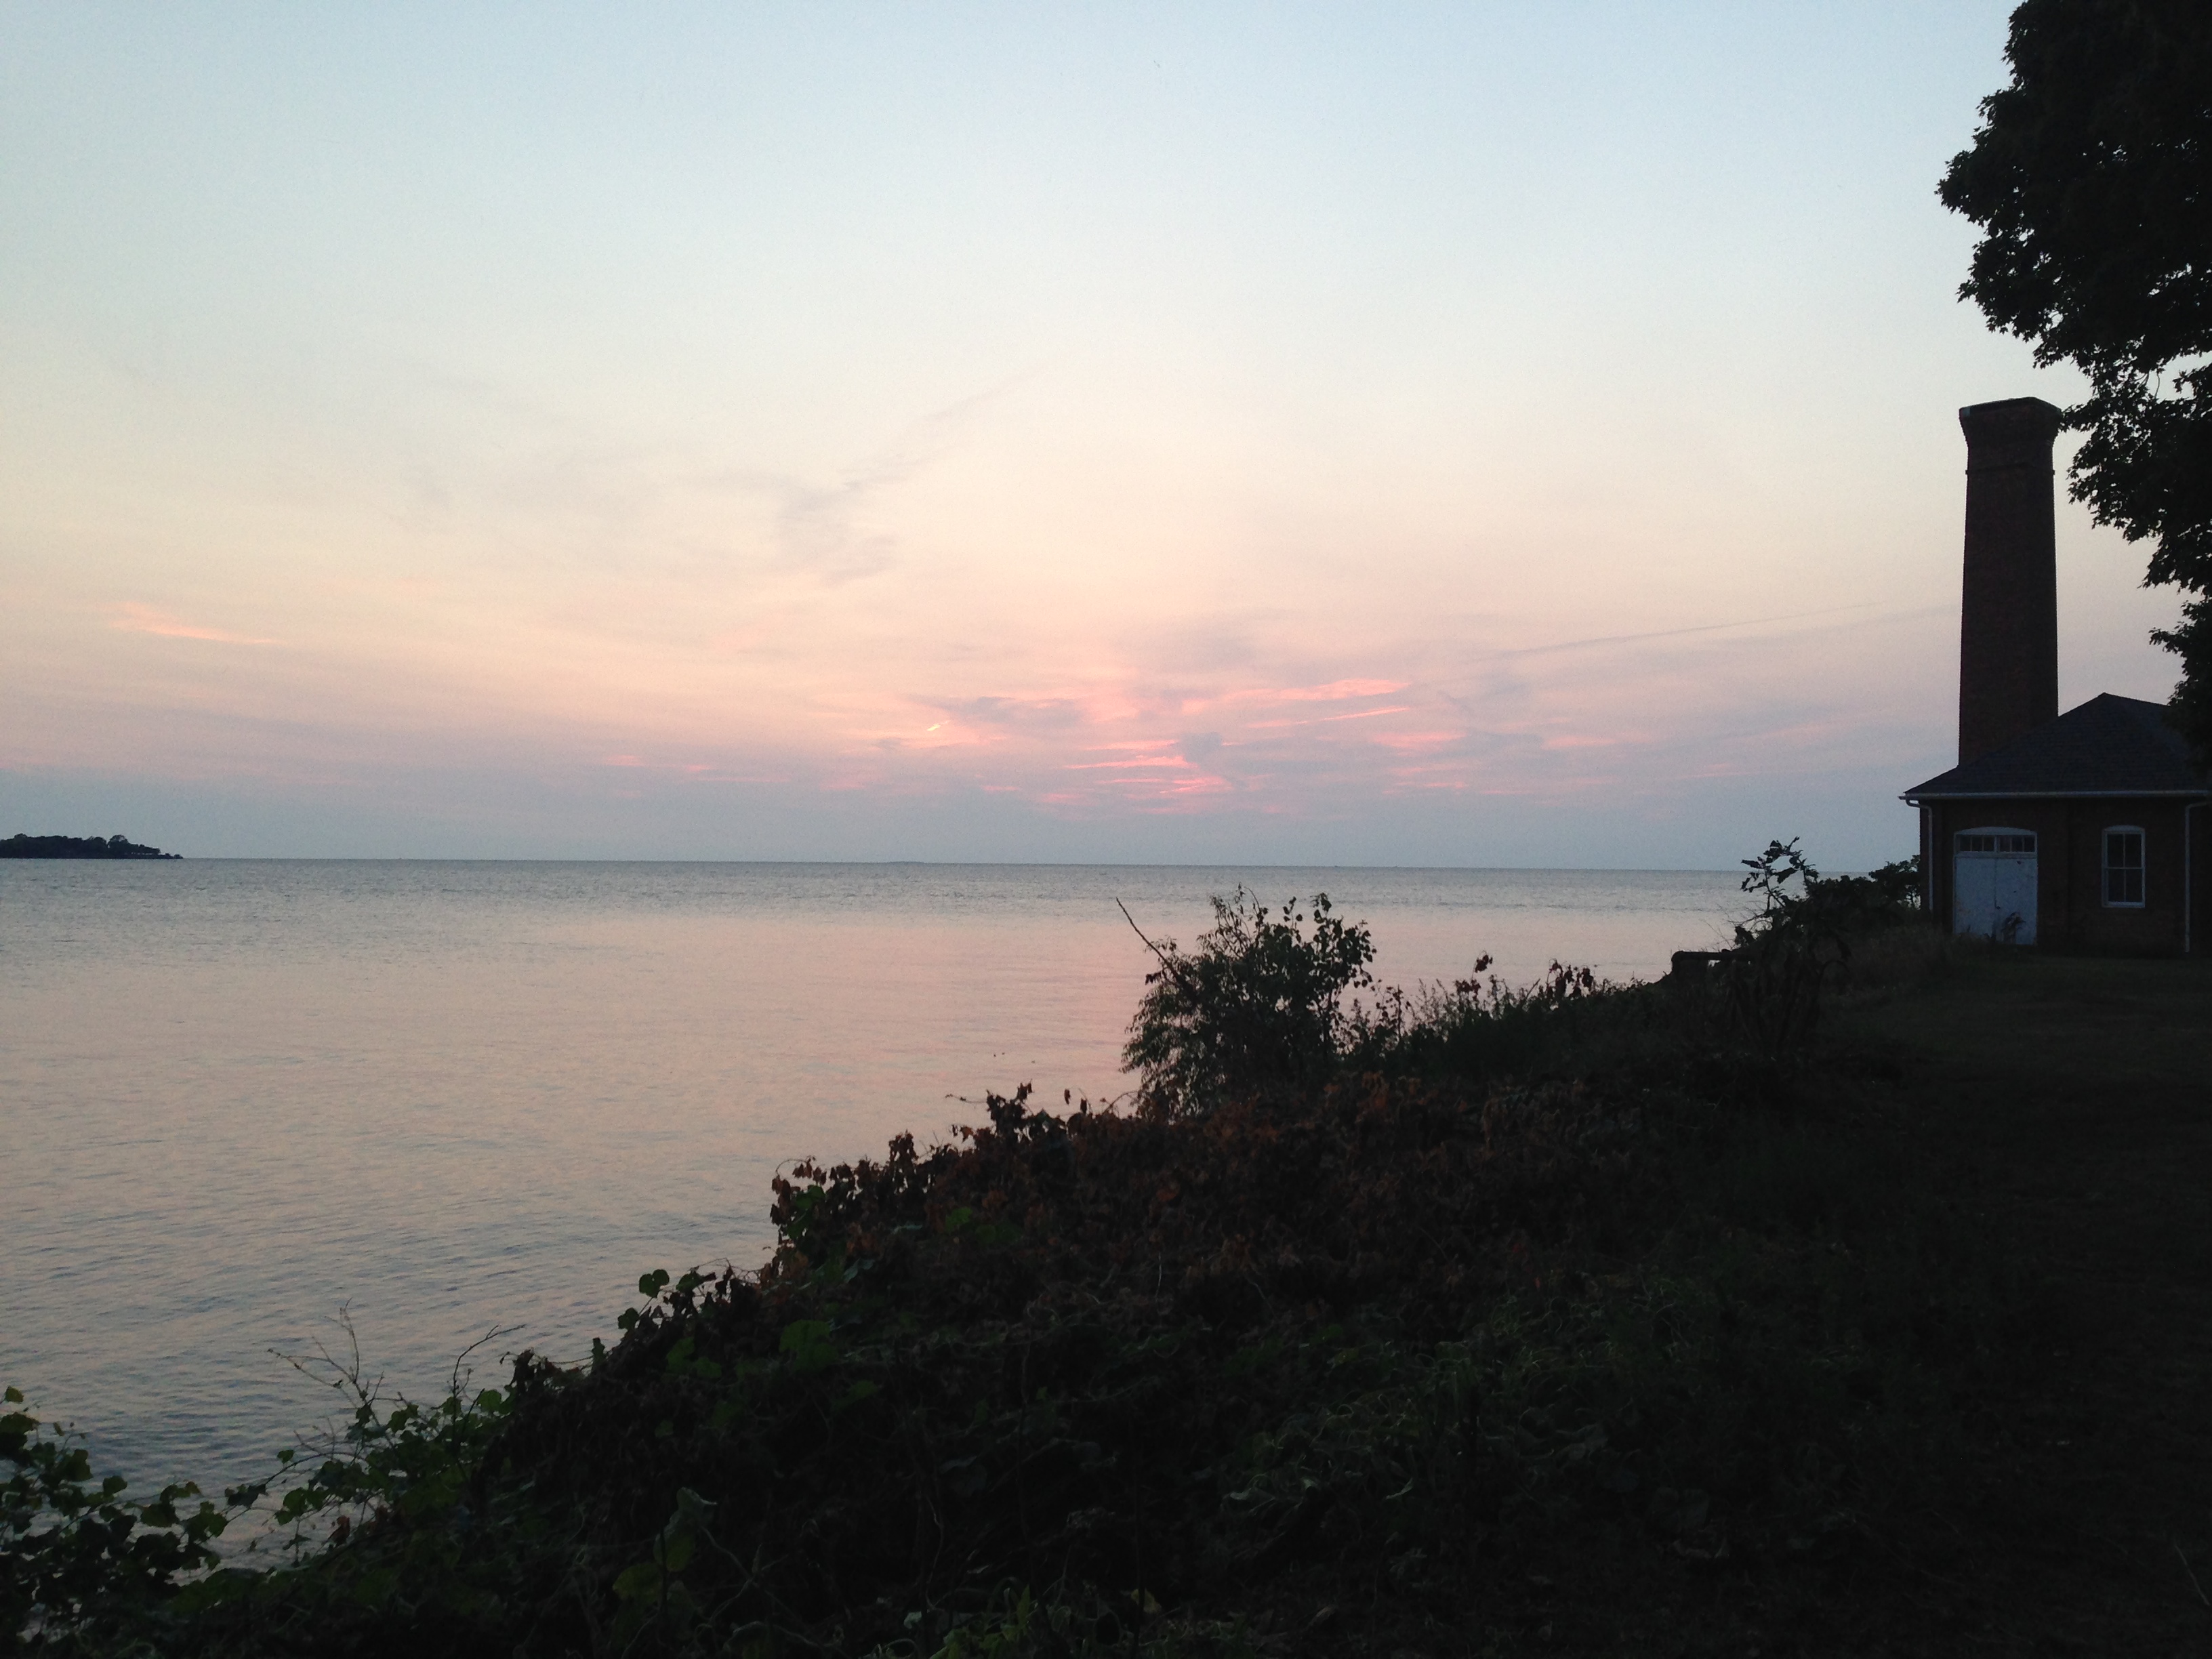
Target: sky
[1407, 434]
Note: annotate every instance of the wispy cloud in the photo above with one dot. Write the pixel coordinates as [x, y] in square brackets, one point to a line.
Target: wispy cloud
[825, 528]
[135, 618]
[1677, 632]
[1335, 691]
[1025, 713]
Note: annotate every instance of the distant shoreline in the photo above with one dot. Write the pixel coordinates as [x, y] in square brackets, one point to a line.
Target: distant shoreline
[1207, 865]
[20, 846]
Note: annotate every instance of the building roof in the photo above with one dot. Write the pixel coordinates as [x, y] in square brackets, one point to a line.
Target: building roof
[2108, 746]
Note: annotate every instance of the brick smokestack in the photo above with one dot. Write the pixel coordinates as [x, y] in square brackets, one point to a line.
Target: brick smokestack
[2008, 615]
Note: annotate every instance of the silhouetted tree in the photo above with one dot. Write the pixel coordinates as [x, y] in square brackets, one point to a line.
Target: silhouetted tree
[2091, 179]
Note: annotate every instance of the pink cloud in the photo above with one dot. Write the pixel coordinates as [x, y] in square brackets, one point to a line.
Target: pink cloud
[1146, 761]
[1169, 792]
[1324, 720]
[135, 618]
[1367, 713]
[1415, 739]
[1335, 691]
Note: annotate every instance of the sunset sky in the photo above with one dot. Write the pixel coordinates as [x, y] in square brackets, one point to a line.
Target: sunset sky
[1472, 435]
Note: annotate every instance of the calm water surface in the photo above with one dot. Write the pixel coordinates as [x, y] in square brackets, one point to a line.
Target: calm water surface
[238, 1096]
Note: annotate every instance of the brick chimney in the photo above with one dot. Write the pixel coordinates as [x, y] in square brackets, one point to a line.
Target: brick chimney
[2008, 614]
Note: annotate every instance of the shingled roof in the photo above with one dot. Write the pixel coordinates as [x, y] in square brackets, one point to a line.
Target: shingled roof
[2108, 746]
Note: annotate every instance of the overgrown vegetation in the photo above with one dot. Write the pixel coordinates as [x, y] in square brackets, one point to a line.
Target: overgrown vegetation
[1801, 942]
[1374, 1321]
[1258, 1007]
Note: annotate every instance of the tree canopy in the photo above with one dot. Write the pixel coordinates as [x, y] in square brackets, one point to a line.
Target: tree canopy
[2091, 179]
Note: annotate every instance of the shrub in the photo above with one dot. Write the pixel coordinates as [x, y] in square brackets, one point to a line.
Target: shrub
[1259, 1005]
[1808, 929]
[1480, 1027]
[1268, 1006]
[78, 1559]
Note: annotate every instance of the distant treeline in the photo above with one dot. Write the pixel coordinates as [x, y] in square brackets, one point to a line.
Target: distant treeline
[77, 846]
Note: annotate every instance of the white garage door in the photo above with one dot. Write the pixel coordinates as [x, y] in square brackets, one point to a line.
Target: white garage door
[1993, 885]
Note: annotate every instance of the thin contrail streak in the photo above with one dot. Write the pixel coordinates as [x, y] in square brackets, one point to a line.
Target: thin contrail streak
[1702, 627]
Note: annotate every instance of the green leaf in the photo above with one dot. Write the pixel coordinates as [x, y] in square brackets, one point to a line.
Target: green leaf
[807, 1341]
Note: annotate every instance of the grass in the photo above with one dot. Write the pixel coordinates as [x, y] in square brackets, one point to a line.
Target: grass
[2060, 1108]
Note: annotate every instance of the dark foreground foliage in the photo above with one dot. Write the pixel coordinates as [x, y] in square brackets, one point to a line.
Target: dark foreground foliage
[1497, 1290]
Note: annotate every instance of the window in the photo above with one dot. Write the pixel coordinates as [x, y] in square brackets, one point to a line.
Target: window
[2123, 866]
[1985, 840]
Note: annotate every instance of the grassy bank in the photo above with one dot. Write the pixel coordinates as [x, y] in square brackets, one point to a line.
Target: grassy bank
[1580, 1319]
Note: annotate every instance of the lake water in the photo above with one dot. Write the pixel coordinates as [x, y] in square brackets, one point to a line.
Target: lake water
[238, 1096]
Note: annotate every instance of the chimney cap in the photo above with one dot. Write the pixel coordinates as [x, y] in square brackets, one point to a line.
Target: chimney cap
[2011, 420]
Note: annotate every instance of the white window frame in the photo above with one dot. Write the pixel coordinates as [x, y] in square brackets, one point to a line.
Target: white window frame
[2105, 867]
[1997, 835]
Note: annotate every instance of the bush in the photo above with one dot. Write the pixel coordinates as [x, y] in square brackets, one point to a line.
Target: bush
[1259, 1006]
[1478, 1029]
[1802, 940]
[79, 1561]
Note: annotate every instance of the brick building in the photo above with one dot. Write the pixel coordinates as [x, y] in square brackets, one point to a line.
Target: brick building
[2083, 831]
